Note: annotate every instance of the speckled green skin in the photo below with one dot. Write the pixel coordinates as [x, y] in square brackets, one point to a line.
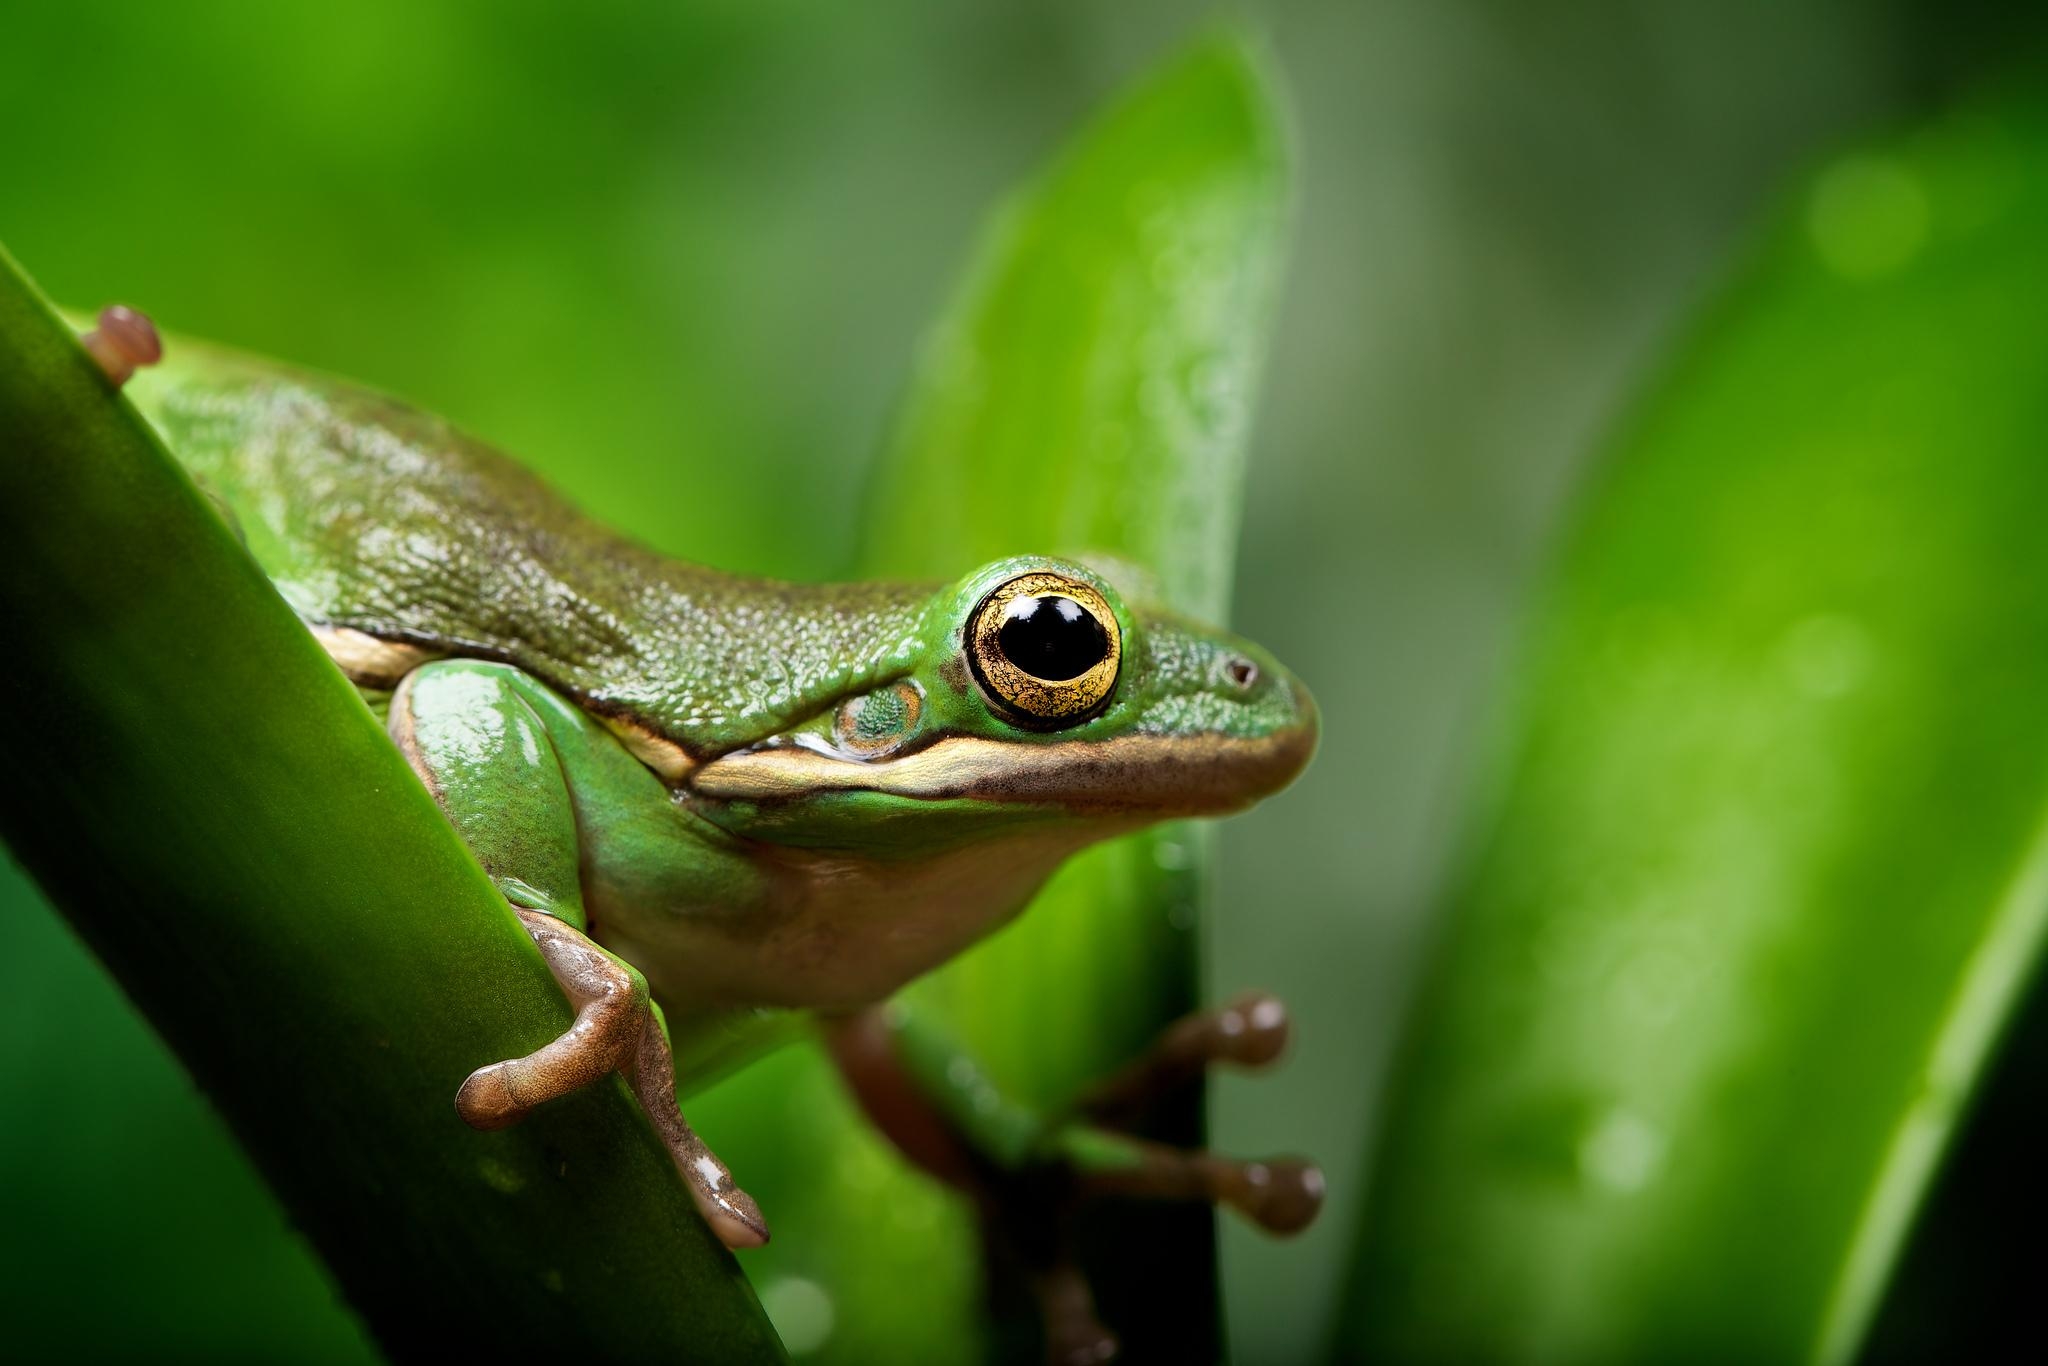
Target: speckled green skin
[827, 884]
[371, 514]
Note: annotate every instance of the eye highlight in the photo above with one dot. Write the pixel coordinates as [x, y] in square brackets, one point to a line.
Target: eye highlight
[1045, 648]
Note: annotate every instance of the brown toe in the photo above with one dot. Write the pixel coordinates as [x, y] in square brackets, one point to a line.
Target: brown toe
[486, 1101]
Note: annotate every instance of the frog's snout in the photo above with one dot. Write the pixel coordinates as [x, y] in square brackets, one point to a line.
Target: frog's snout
[1296, 738]
[1308, 719]
[1265, 738]
[1230, 724]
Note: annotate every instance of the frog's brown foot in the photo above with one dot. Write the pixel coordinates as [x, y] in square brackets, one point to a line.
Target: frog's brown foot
[123, 342]
[618, 1029]
[1028, 1201]
[1281, 1195]
[612, 1011]
[1074, 1336]
[730, 1211]
[1250, 1031]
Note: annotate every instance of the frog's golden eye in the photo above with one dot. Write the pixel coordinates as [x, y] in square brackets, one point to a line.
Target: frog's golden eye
[1046, 648]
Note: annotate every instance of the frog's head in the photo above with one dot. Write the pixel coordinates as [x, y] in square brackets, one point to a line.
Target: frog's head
[1035, 693]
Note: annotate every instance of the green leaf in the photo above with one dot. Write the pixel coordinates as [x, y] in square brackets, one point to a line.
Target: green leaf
[1764, 862]
[218, 814]
[1088, 392]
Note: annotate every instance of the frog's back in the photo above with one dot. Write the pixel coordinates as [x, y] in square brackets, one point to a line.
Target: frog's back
[376, 518]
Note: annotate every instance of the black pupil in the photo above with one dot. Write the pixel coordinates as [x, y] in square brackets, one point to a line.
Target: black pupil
[1052, 637]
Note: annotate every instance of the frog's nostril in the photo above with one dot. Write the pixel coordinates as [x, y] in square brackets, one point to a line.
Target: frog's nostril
[1241, 671]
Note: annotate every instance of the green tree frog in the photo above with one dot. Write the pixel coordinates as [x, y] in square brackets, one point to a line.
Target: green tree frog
[705, 795]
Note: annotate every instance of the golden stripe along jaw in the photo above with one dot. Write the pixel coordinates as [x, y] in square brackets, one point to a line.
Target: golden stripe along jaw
[1204, 773]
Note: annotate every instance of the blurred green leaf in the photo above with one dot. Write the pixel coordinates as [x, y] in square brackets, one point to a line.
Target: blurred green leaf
[1765, 863]
[221, 818]
[1088, 392]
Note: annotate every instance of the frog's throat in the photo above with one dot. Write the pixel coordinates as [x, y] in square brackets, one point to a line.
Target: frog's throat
[1202, 774]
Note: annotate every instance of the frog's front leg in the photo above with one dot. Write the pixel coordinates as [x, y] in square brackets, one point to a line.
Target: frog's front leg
[488, 740]
[611, 1019]
[1028, 1170]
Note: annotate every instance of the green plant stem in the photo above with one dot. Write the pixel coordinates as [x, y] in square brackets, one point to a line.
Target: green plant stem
[223, 821]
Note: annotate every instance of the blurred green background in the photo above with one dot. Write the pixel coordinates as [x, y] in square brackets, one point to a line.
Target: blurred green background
[678, 257]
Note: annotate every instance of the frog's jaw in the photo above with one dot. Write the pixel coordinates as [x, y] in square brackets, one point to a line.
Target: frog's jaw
[1139, 773]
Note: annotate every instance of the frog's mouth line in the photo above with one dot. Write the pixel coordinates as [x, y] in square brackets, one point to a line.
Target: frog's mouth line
[1193, 775]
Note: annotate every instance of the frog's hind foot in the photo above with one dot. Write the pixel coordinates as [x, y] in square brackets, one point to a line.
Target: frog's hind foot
[1250, 1031]
[1031, 1174]
[618, 1028]
[1282, 1195]
[903, 1073]
[1074, 1336]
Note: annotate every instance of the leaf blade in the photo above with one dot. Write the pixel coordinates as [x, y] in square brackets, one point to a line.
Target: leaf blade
[1721, 967]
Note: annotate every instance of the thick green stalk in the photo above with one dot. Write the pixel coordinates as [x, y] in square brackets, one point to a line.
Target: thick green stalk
[1766, 864]
[221, 818]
